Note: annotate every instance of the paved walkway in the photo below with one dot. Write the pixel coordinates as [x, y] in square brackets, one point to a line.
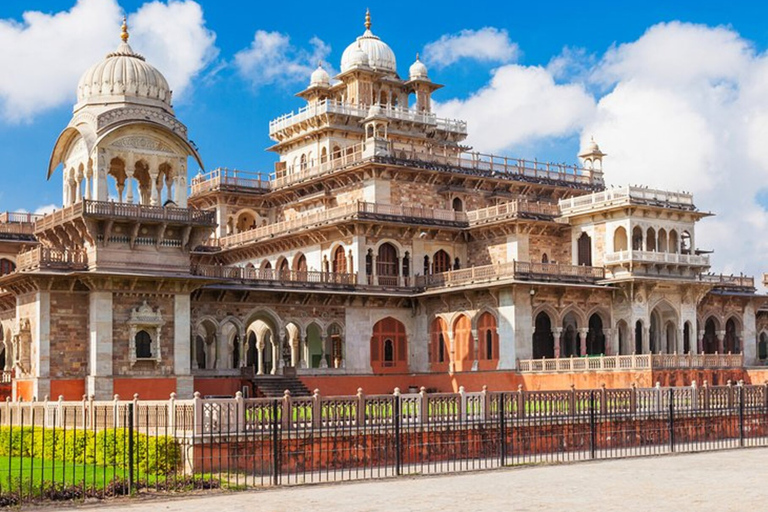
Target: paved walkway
[734, 480]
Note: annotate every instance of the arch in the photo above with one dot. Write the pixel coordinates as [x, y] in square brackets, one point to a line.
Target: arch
[439, 351]
[441, 262]
[389, 332]
[206, 350]
[339, 260]
[662, 244]
[650, 240]
[143, 343]
[300, 266]
[387, 265]
[670, 334]
[544, 258]
[731, 336]
[709, 339]
[245, 219]
[687, 349]
[315, 349]
[457, 204]
[637, 238]
[674, 242]
[7, 266]
[488, 341]
[620, 242]
[283, 268]
[639, 337]
[584, 250]
[231, 330]
[595, 336]
[659, 334]
[303, 162]
[463, 344]
[336, 344]
[580, 319]
[323, 155]
[762, 347]
[686, 242]
[569, 341]
[543, 337]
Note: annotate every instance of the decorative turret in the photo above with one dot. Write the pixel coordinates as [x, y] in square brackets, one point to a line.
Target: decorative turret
[592, 157]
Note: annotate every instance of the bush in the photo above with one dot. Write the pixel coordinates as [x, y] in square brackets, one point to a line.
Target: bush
[154, 455]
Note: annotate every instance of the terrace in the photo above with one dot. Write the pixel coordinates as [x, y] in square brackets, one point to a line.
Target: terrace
[44, 258]
[516, 270]
[630, 363]
[625, 196]
[667, 258]
[18, 225]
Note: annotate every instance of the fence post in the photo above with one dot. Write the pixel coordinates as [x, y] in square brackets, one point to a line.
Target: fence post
[240, 404]
[592, 425]
[171, 421]
[198, 406]
[658, 397]
[424, 406]
[486, 404]
[633, 398]
[275, 445]
[136, 409]
[705, 389]
[59, 412]
[729, 386]
[694, 396]
[740, 387]
[520, 402]
[360, 419]
[572, 400]
[130, 447]
[91, 412]
[463, 404]
[116, 411]
[671, 420]
[317, 420]
[398, 441]
[502, 429]
[603, 399]
[286, 409]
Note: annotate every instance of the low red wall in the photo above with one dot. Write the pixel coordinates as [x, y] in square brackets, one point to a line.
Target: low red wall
[24, 390]
[219, 386]
[148, 389]
[71, 389]
[440, 382]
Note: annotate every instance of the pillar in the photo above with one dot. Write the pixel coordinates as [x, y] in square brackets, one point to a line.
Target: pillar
[129, 186]
[41, 337]
[700, 342]
[611, 342]
[557, 332]
[476, 344]
[323, 361]
[303, 349]
[259, 356]
[154, 199]
[99, 381]
[583, 341]
[182, 355]
[720, 337]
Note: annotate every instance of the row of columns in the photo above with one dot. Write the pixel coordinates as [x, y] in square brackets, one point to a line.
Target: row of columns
[474, 340]
[581, 334]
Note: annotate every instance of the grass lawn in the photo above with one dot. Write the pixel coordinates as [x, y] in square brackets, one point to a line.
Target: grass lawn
[54, 471]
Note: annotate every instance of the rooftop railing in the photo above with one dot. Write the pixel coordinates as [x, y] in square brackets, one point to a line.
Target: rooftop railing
[336, 107]
[699, 260]
[630, 362]
[515, 270]
[729, 281]
[272, 275]
[625, 195]
[41, 258]
[511, 209]
[126, 211]
[228, 179]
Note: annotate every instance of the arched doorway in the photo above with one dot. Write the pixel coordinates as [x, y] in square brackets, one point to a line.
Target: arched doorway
[731, 339]
[543, 338]
[488, 341]
[585, 250]
[441, 262]
[387, 265]
[638, 337]
[663, 329]
[595, 336]
[687, 338]
[389, 346]
[569, 342]
[709, 340]
[339, 261]
[620, 239]
[464, 345]
[762, 348]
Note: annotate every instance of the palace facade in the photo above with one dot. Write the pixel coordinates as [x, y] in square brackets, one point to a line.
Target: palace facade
[381, 252]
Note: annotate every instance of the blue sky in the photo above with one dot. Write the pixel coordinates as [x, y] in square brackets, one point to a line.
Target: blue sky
[671, 90]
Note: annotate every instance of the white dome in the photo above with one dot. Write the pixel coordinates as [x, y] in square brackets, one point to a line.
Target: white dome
[123, 73]
[355, 58]
[320, 77]
[380, 55]
[418, 71]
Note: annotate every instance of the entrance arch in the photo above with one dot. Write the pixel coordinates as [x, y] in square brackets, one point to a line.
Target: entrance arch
[389, 346]
[543, 338]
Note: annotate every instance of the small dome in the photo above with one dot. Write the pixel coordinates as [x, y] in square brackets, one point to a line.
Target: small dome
[123, 73]
[320, 77]
[380, 55]
[354, 59]
[418, 71]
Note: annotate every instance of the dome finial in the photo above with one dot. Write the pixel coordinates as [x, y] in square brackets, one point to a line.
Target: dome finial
[367, 19]
[124, 34]
[417, 56]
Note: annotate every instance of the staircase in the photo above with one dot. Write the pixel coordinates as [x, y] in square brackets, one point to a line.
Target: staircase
[274, 386]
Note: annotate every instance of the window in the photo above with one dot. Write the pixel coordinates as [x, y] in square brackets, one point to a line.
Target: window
[389, 346]
[488, 345]
[389, 352]
[387, 265]
[441, 262]
[143, 345]
[585, 250]
[339, 261]
[441, 348]
[458, 205]
[6, 267]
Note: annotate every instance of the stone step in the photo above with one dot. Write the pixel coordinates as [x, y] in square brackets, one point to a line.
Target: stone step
[275, 386]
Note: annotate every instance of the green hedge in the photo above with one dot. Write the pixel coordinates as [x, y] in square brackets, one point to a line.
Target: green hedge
[152, 454]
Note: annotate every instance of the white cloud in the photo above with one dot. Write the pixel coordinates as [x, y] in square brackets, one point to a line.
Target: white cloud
[47, 53]
[488, 44]
[272, 58]
[46, 209]
[520, 104]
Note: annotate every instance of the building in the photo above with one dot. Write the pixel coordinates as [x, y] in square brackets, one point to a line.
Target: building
[381, 252]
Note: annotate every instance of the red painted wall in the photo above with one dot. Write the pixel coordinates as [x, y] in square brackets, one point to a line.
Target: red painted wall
[71, 389]
[221, 386]
[148, 389]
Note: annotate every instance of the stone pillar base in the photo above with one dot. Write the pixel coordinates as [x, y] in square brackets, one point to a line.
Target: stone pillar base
[42, 388]
[185, 387]
[101, 388]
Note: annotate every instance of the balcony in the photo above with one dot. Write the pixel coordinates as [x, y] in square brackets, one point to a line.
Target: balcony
[739, 283]
[228, 180]
[626, 196]
[651, 257]
[287, 278]
[43, 258]
[358, 210]
[512, 210]
[18, 226]
[325, 107]
[630, 363]
[516, 270]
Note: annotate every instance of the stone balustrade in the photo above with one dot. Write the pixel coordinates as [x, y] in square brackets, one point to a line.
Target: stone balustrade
[42, 258]
[671, 258]
[630, 363]
[624, 196]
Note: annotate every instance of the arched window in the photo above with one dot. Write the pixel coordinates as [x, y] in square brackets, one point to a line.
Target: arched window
[620, 239]
[441, 262]
[464, 345]
[143, 345]
[709, 341]
[389, 346]
[762, 347]
[438, 353]
[674, 243]
[638, 337]
[6, 266]
[585, 250]
[285, 270]
[303, 162]
[543, 338]
[323, 155]
[458, 205]
[662, 240]
[387, 265]
[637, 238]
[441, 348]
[488, 342]
[339, 261]
[595, 336]
[650, 240]
[731, 340]
[544, 258]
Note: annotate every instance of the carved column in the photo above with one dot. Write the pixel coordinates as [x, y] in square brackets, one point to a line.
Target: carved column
[259, 356]
[646, 340]
[557, 332]
[583, 341]
[700, 342]
[303, 356]
[129, 186]
[720, 337]
[154, 197]
[323, 340]
[611, 342]
[476, 344]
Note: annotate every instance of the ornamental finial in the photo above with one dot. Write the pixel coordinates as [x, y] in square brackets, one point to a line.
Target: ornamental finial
[417, 56]
[124, 34]
[367, 19]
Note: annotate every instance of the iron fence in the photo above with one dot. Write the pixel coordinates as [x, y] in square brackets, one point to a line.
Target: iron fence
[69, 450]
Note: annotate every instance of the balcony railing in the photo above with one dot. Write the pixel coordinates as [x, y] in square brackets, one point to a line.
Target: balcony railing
[624, 196]
[358, 209]
[631, 362]
[229, 179]
[511, 210]
[671, 258]
[336, 107]
[46, 258]
[521, 270]
[729, 281]
[126, 211]
[272, 275]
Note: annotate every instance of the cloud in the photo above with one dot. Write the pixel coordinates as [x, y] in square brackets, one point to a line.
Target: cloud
[681, 108]
[46, 209]
[49, 52]
[520, 104]
[272, 58]
[488, 44]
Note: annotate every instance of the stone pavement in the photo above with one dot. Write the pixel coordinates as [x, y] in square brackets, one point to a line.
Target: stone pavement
[735, 480]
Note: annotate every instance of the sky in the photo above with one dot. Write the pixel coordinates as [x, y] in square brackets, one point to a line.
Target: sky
[674, 92]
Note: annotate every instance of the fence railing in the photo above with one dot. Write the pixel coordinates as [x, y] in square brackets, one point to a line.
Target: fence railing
[625, 195]
[70, 450]
[630, 362]
[283, 276]
[47, 258]
[514, 270]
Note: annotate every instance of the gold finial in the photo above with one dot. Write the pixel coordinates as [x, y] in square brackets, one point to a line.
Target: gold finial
[367, 19]
[124, 34]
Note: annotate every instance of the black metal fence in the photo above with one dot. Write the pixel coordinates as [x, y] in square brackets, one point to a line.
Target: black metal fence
[71, 450]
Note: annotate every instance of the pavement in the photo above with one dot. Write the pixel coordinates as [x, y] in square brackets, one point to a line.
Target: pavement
[735, 480]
